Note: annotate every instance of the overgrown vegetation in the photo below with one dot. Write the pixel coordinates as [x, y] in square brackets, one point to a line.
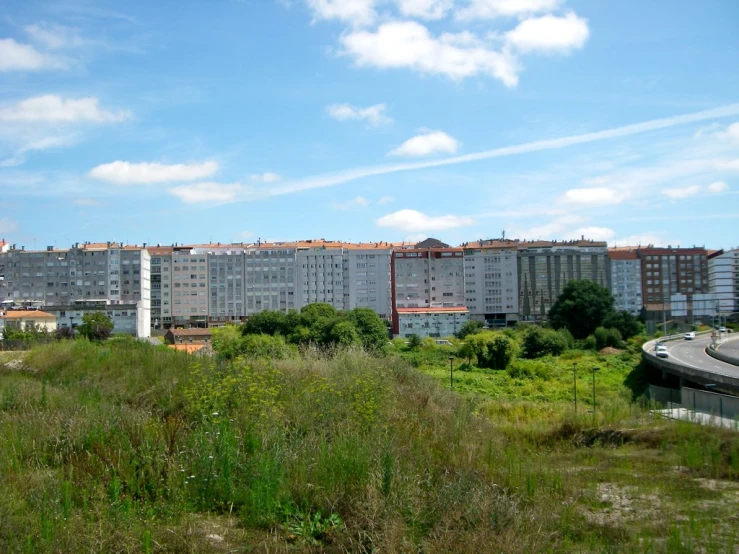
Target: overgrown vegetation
[126, 447]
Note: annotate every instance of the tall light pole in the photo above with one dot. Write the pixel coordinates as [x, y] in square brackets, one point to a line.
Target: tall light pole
[574, 383]
[451, 373]
[594, 370]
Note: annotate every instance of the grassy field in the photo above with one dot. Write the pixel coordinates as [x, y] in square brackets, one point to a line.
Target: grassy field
[128, 447]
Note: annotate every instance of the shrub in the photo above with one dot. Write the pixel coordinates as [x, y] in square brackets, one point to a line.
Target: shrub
[538, 342]
[414, 342]
[607, 337]
[96, 326]
[470, 328]
[492, 350]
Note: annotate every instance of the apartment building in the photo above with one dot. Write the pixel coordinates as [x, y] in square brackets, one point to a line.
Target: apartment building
[545, 267]
[367, 279]
[626, 280]
[723, 280]
[491, 281]
[668, 271]
[431, 322]
[161, 285]
[227, 285]
[190, 281]
[429, 274]
[61, 280]
[270, 275]
[320, 269]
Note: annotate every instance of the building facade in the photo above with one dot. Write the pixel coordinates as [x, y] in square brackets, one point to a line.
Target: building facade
[65, 279]
[626, 281]
[491, 281]
[669, 271]
[431, 322]
[544, 268]
[723, 280]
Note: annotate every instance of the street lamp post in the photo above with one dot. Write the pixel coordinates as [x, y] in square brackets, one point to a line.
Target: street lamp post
[574, 383]
[451, 373]
[594, 370]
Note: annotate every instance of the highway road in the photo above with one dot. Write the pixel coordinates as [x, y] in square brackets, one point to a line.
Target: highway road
[693, 353]
[731, 347]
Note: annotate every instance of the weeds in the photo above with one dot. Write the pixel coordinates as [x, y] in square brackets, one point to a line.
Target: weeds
[123, 446]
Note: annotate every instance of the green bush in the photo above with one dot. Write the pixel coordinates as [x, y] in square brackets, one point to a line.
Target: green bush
[493, 350]
[538, 342]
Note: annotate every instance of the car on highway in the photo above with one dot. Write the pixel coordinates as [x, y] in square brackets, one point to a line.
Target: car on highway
[661, 351]
[690, 336]
[723, 330]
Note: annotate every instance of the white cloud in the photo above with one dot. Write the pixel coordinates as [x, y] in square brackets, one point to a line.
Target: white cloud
[53, 36]
[681, 192]
[489, 9]
[408, 44]
[593, 196]
[425, 9]
[36, 145]
[374, 115]
[413, 221]
[341, 177]
[15, 56]
[127, 173]
[385, 200]
[267, 177]
[353, 12]
[592, 233]
[549, 33]
[718, 187]
[358, 202]
[430, 142]
[54, 109]
[644, 239]
[558, 227]
[209, 192]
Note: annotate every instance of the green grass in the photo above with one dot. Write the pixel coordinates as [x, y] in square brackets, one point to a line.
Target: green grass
[128, 447]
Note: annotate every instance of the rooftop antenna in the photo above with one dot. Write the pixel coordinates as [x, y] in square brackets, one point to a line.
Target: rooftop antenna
[503, 234]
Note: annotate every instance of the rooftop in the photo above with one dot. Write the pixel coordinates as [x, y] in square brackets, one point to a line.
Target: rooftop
[28, 314]
[194, 332]
[448, 310]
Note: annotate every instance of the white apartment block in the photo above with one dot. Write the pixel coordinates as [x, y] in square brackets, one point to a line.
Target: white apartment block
[367, 282]
[190, 281]
[428, 278]
[491, 281]
[626, 280]
[104, 273]
[431, 322]
[227, 285]
[320, 271]
[271, 277]
[723, 280]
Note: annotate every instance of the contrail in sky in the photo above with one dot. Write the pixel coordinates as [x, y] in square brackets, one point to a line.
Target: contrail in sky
[237, 192]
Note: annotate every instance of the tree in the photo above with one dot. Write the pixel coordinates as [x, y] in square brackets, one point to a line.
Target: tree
[266, 346]
[96, 326]
[626, 324]
[492, 350]
[538, 342]
[470, 328]
[268, 322]
[318, 310]
[227, 342]
[414, 341]
[343, 333]
[372, 330]
[582, 306]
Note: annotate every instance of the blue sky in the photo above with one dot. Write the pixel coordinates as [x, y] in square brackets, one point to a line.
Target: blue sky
[365, 120]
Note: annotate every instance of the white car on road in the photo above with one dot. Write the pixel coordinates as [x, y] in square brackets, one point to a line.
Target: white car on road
[690, 336]
[661, 351]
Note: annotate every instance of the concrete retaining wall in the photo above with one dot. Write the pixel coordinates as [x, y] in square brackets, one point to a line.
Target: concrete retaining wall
[721, 356]
[711, 403]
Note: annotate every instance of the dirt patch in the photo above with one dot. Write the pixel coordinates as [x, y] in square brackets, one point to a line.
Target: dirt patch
[15, 364]
[621, 504]
[610, 350]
